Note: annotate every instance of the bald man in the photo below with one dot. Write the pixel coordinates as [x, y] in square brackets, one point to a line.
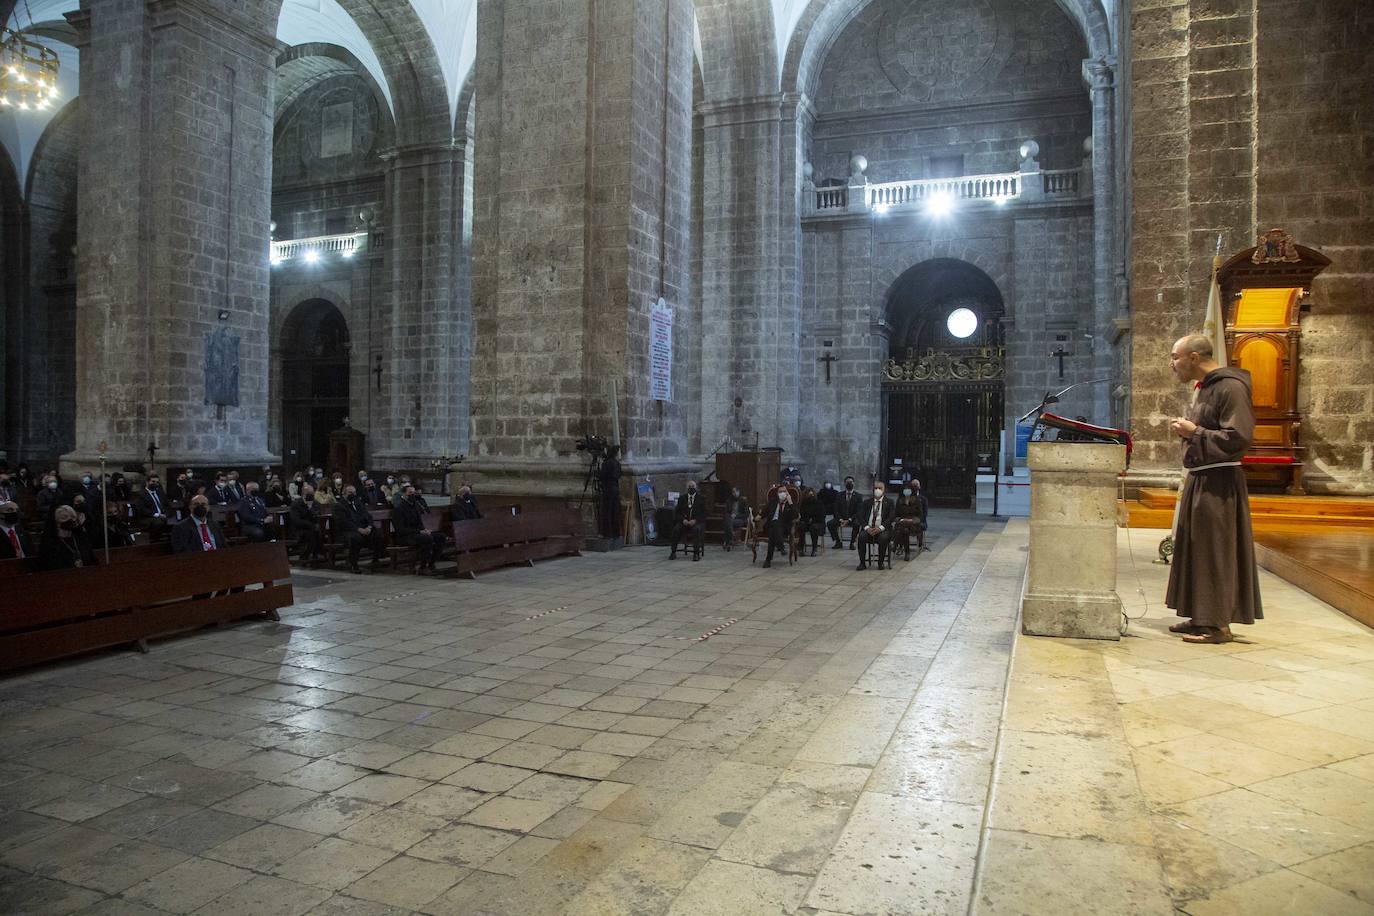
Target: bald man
[1213, 581]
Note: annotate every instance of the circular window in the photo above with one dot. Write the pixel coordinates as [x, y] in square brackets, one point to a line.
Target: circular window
[962, 323]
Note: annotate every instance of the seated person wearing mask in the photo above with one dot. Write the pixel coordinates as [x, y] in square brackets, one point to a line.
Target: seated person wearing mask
[252, 512]
[304, 519]
[276, 497]
[372, 495]
[408, 522]
[812, 512]
[846, 511]
[219, 494]
[50, 497]
[689, 521]
[465, 507]
[778, 519]
[199, 532]
[151, 508]
[90, 488]
[14, 543]
[65, 544]
[736, 516]
[353, 525]
[116, 529]
[119, 489]
[326, 495]
[911, 518]
[236, 490]
[875, 521]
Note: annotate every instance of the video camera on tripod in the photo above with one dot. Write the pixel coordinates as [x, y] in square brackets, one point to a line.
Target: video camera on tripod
[595, 446]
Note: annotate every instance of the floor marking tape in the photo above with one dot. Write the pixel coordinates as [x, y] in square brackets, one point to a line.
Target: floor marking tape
[561, 607]
[709, 633]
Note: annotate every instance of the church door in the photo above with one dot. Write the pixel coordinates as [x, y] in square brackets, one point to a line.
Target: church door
[314, 381]
[942, 383]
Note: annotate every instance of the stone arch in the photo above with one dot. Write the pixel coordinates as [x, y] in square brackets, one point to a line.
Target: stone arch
[739, 59]
[302, 66]
[312, 357]
[983, 259]
[922, 292]
[823, 21]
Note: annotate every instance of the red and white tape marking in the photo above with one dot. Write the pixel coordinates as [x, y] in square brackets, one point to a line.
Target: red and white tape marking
[561, 607]
[712, 632]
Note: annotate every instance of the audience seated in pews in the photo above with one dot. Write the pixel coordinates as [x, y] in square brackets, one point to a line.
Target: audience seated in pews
[353, 525]
[152, 507]
[408, 522]
[371, 495]
[219, 494]
[305, 524]
[236, 490]
[14, 542]
[252, 513]
[276, 496]
[199, 532]
[65, 545]
[390, 490]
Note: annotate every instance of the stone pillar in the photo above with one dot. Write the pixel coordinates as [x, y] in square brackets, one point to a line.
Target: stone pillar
[750, 295]
[581, 222]
[428, 326]
[174, 201]
[1070, 585]
[1101, 73]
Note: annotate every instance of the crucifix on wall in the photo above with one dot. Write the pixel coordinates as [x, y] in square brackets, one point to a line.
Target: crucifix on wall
[828, 358]
[1059, 354]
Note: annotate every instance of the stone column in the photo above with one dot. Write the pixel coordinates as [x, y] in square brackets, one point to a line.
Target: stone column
[581, 222]
[750, 300]
[1070, 585]
[174, 196]
[427, 328]
[1101, 73]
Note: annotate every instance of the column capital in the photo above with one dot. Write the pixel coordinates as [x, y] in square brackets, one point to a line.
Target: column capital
[1100, 72]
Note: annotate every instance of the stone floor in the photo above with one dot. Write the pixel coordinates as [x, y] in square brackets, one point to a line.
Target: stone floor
[560, 740]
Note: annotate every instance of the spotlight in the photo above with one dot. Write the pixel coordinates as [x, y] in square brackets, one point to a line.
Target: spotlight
[880, 208]
[1001, 200]
[347, 253]
[941, 204]
[311, 256]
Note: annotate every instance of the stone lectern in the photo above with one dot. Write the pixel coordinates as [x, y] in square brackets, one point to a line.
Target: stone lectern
[1071, 577]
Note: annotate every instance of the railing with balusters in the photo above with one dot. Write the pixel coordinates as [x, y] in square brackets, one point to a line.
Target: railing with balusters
[971, 187]
[833, 198]
[996, 188]
[1060, 181]
[344, 245]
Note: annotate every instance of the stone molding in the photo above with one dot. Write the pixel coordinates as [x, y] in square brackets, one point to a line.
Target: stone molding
[165, 13]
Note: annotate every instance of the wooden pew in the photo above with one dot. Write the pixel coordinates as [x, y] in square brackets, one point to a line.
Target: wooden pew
[486, 543]
[56, 614]
[11, 568]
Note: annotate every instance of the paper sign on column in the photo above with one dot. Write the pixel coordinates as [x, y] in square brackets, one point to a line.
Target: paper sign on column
[660, 351]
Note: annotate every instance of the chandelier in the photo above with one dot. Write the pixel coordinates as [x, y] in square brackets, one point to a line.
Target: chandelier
[28, 73]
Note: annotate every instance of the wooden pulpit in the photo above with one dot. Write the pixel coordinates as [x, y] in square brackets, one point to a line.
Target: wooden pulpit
[752, 472]
[346, 450]
[1266, 289]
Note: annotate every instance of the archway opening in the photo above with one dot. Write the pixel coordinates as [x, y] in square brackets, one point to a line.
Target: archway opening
[314, 400]
[943, 381]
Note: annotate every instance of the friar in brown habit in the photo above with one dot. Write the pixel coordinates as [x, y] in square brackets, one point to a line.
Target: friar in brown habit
[1213, 579]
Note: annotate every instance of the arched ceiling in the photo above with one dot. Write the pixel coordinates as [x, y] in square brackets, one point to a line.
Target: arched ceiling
[21, 131]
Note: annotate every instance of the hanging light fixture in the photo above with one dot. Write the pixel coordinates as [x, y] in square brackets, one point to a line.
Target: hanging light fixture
[28, 71]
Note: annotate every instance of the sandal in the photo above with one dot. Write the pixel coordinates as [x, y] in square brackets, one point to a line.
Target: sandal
[1211, 637]
[1188, 627]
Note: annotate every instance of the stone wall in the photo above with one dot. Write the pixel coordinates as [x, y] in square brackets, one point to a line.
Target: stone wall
[905, 83]
[1205, 100]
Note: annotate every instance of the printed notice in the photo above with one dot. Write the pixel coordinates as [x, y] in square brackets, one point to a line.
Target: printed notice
[660, 351]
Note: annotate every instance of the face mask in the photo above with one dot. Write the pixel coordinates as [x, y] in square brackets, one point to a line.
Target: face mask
[200, 512]
[10, 518]
[86, 480]
[362, 477]
[181, 481]
[849, 486]
[829, 487]
[735, 493]
[338, 481]
[691, 489]
[391, 481]
[52, 485]
[877, 494]
[906, 492]
[68, 526]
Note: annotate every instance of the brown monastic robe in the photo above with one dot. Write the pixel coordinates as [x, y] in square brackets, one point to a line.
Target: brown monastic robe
[1213, 578]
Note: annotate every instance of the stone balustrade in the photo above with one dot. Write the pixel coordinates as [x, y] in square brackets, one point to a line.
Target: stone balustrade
[1029, 183]
[344, 245]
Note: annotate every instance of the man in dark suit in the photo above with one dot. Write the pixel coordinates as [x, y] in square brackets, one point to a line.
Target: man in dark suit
[91, 489]
[353, 524]
[846, 512]
[465, 507]
[305, 524]
[252, 512]
[219, 494]
[151, 508]
[408, 522]
[236, 490]
[690, 521]
[875, 527]
[199, 533]
[372, 495]
[778, 519]
[14, 543]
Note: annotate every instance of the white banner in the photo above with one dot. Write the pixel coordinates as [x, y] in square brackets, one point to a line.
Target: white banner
[660, 351]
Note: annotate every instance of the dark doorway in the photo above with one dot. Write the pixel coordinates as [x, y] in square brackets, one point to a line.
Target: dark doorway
[943, 382]
[314, 376]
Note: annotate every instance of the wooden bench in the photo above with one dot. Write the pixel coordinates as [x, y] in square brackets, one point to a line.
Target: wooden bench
[487, 543]
[56, 614]
[11, 568]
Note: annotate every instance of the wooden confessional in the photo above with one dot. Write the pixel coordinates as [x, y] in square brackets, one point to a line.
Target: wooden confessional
[1265, 290]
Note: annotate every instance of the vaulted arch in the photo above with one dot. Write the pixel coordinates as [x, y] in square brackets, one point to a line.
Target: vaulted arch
[737, 46]
[303, 66]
